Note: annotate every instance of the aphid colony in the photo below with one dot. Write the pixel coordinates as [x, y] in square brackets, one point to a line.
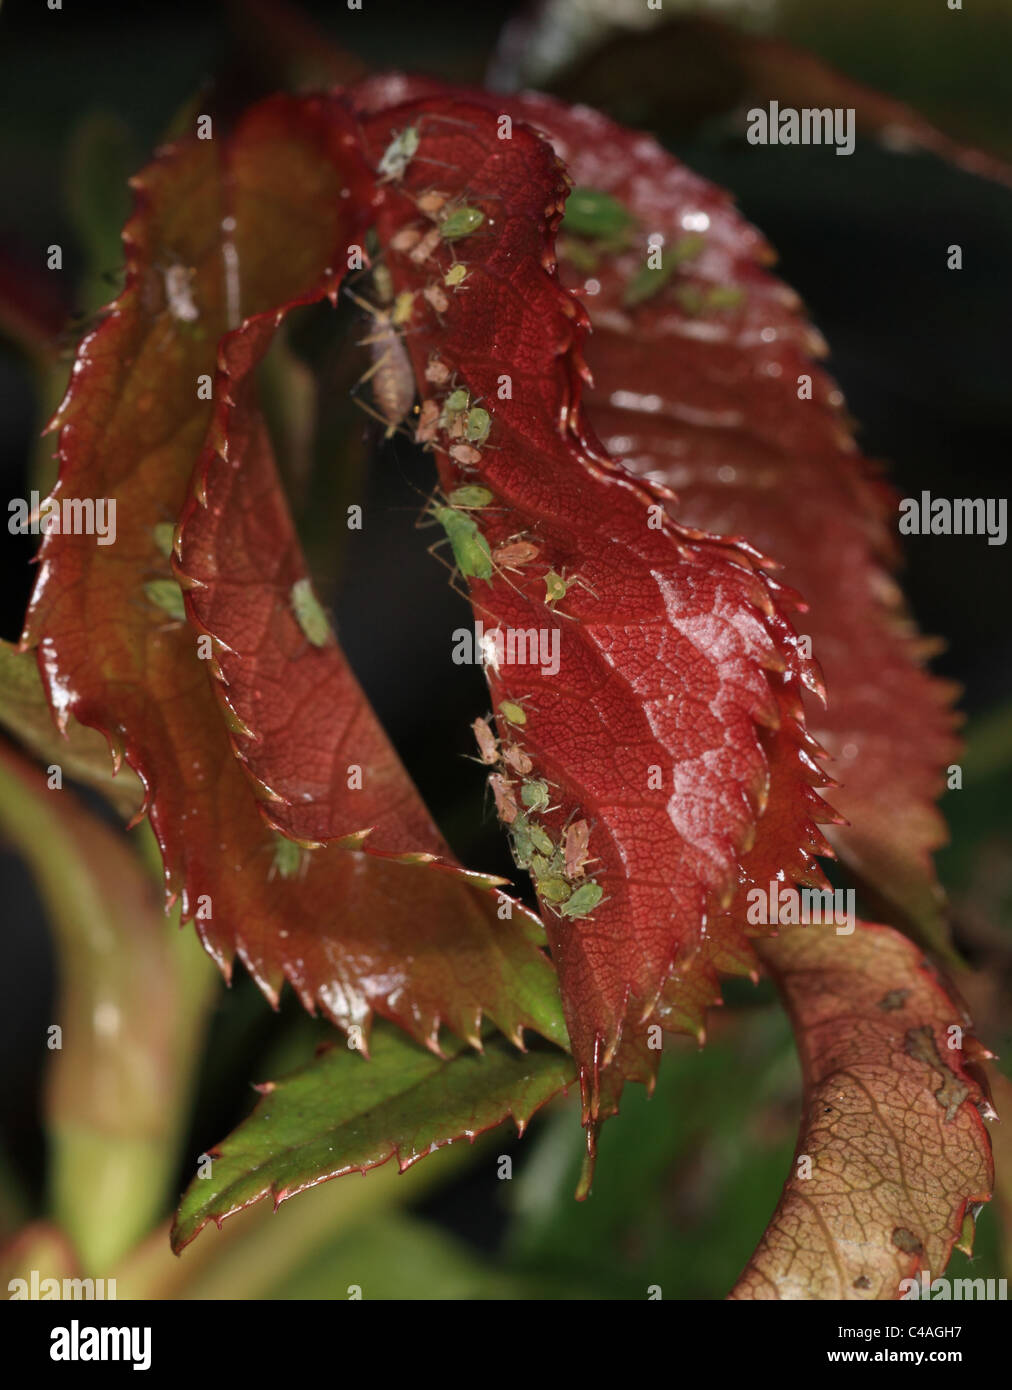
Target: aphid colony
[596, 225]
[558, 870]
[449, 221]
[476, 559]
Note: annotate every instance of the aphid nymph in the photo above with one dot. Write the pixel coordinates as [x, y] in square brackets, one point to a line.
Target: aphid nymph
[309, 614]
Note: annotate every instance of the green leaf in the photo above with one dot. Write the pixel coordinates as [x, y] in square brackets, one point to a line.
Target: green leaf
[84, 754]
[398, 1256]
[133, 993]
[341, 1114]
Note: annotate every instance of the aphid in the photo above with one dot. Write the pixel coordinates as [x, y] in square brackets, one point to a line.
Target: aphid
[574, 845]
[166, 595]
[431, 203]
[437, 372]
[649, 281]
[691, 298]
[534, 795]
[553, 889]
[309, 613]
[512, 553]
[471, 498]
[515, 757]
[455, 276]
[505, 801]
[179, 294]
[425, 246]
[460, 222]
[290, 859]
[477, 425]
[469, 546]
[583, 901]
[454, 406]
[542, 841]
[724, 297]
[435, 297]
[485, 739]
[466, 455]
[591, 213]
[403, 307]
[521, 840]
[399, 153]
[510, 710]
[391, 372]
[581, 255]
[383, 283]
[428, 422]
[165, 534]
[646, 283]
[545, 866]
[405, 239]
[557, 586]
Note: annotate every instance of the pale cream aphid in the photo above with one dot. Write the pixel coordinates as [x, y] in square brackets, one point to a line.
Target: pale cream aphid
[428, 422]
[505, 801]
[466, 455]
[391, 374]
[513, 553]
[436, 298]
[488, 750]
[575, 843]
[437, 372]
[179, 293]
[424, 246]
[515, 757]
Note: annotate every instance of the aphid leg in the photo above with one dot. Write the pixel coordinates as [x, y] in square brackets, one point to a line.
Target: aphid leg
[456, 583]
[392, 428]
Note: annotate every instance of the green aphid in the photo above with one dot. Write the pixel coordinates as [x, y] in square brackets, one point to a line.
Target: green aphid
[460, 222]
[542, 867]
[469, 546]
[646, 283]
[591, 213]
[556, 890]
[534, 794]
[556, 587]
[166, 595]
[477, 425]
[580, 254]
[470, 497]
[686, 248]
[583, 901]
[455, 404]
[165, 534]
[724, 297]
[455, 276]
[399, 153]
[522, 838]
[287, 859]
[691, 298]
[516, 714]
[309, 613]
[649, 280]
[542, 841]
